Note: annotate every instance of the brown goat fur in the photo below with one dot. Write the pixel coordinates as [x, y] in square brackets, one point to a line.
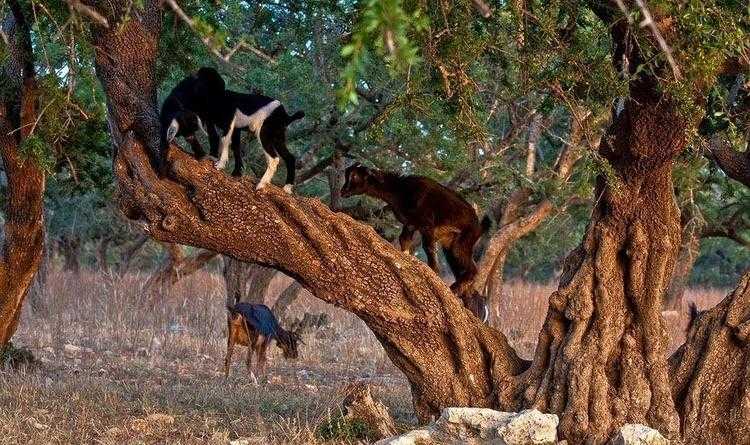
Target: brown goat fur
[239, 331]
[422, 205]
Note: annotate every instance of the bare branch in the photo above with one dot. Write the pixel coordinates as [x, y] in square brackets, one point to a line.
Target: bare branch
[215, 50]
[88, 11]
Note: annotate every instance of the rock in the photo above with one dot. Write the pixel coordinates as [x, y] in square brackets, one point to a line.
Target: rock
[636, 434]
[479, 426]
[530, 427]
[71, 351]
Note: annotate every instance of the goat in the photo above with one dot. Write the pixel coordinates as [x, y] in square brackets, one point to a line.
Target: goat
[437, 212]
[267, 119]
[185, 110]
[254, 326]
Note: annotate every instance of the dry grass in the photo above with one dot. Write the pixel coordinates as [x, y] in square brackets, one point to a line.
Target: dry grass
[149, 371]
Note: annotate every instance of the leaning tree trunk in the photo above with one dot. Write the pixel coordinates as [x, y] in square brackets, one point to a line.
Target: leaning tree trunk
[600, 359]
[24, 217]
[711, 373]
[175, 267]
[449, 357]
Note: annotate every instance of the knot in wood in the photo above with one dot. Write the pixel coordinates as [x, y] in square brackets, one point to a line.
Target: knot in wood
[168, 223]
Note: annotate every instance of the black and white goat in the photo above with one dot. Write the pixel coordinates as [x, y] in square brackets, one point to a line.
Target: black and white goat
[185, 110]
[262, 116]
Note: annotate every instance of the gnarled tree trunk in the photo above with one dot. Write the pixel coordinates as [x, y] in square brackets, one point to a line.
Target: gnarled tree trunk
[600, 360]
[711, 373]
[449, 357]
[24, 216]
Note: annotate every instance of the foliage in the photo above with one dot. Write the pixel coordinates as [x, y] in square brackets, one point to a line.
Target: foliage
[416, 86]
[339, 428]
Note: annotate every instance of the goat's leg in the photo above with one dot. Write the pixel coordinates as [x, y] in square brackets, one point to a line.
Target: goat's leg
[249, 359]
[430, 245]
[198, 152]
[213, 139]
[289, 160]
[265, 138]
[406, 239]
[465, 269]
[224, 142]
[238, 152]
[230, 351]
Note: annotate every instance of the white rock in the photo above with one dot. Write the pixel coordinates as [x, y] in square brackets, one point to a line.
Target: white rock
[415, 437]
[636, 434]
[483, 426]
[530, 427]
[71, 350]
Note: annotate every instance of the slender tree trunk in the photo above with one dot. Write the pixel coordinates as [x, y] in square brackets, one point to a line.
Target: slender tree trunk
[38, 292]
[285, 300]
[24, 216]
[70, 247]
[175, 267]
[130, 252]
[686, 257]
[246, 282]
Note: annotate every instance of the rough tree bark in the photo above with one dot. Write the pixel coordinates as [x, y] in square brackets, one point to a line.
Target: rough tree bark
[449, 357]
[24, 223]
[711, 373]
[600, 358]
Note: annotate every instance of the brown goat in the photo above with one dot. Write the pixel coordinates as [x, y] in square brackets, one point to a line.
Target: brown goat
[435, 211]
[254, 326]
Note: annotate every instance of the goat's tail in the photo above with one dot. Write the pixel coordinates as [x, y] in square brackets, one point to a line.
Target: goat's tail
[296, 116]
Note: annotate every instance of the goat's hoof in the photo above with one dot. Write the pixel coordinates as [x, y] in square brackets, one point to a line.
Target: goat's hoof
[260, 186]
[288, 188]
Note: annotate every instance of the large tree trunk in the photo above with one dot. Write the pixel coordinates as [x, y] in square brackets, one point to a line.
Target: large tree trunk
[24, 216]
[600, 360]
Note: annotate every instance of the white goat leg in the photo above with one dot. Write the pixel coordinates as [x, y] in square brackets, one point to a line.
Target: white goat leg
[225, 141]
[273, 163]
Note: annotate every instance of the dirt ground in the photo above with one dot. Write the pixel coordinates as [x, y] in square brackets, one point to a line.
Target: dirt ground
[117, 366]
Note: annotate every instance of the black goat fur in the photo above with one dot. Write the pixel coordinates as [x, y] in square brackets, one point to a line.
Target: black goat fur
[188, 105]
[262, 116]
[438, 213]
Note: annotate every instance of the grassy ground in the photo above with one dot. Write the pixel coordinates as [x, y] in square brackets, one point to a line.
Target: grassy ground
[119, 367]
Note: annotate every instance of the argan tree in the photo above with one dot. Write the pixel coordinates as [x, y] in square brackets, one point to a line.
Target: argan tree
[24, 216]
[600, 360]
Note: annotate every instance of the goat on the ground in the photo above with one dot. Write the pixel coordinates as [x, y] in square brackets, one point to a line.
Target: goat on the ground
[262, 116]
[255, 326]
[440, 214]
[185, 110]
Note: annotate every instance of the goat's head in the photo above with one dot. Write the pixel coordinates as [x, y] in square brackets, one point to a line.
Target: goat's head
[359, 180]
[211, 81]
[288, 341]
